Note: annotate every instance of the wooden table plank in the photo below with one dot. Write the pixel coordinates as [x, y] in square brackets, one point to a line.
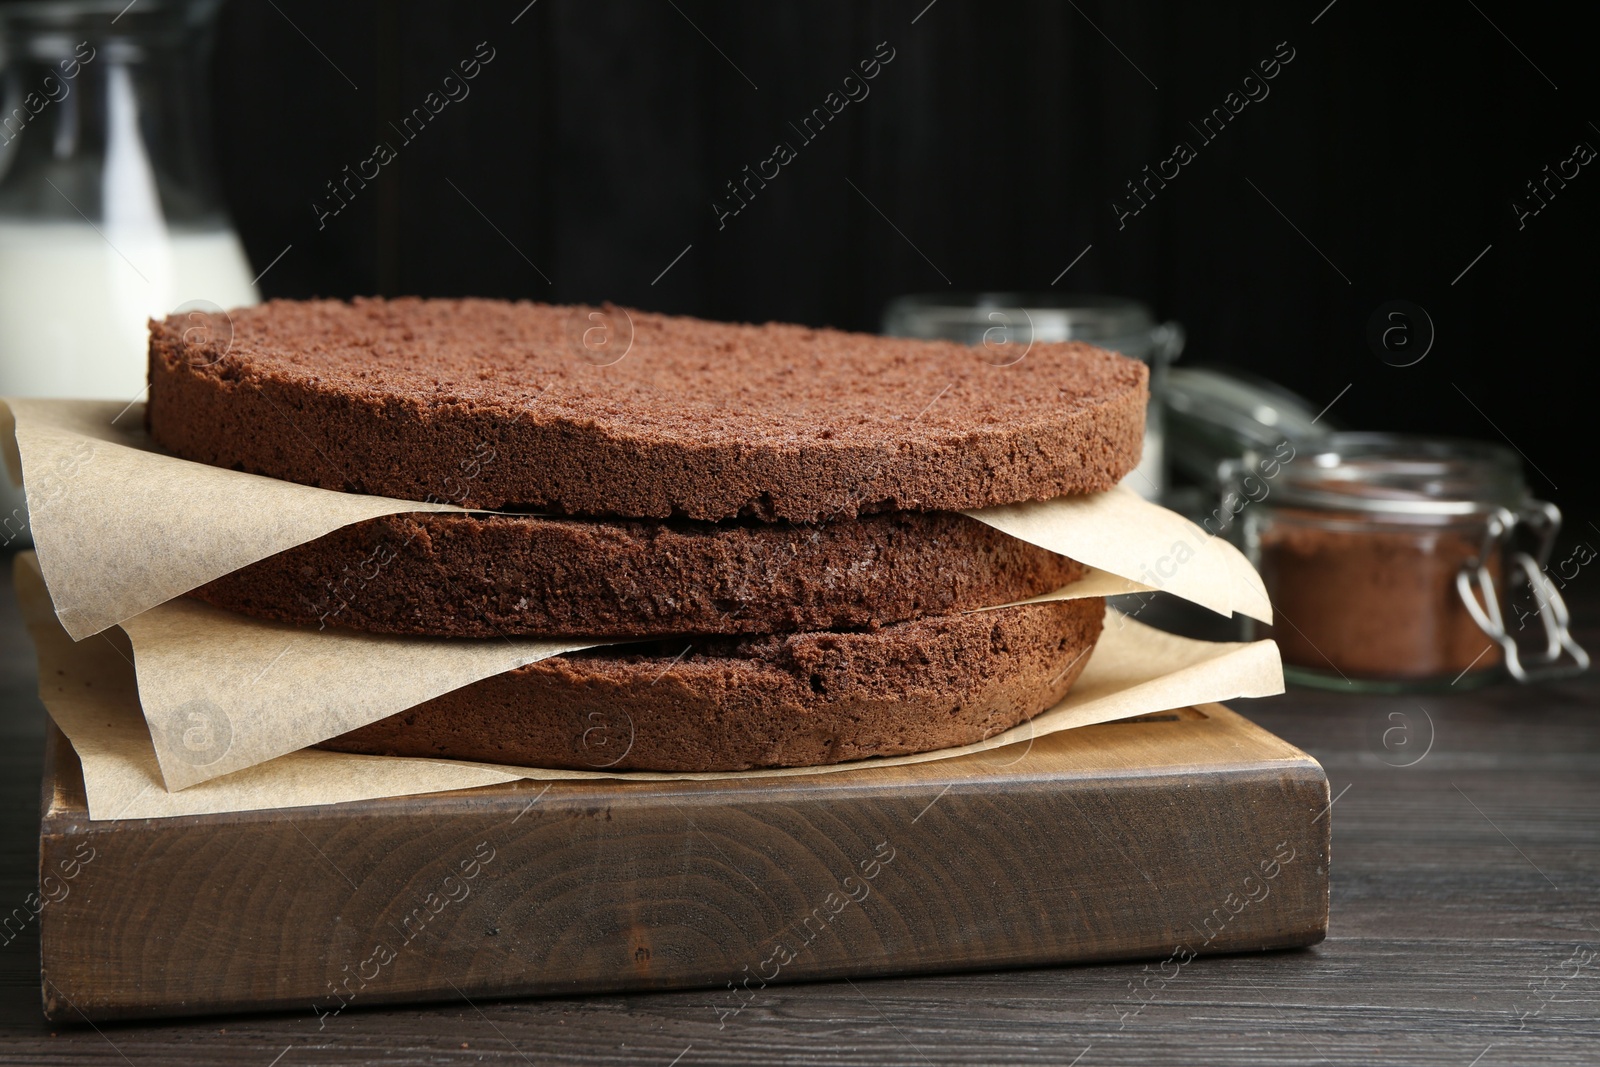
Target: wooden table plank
[1447, 943]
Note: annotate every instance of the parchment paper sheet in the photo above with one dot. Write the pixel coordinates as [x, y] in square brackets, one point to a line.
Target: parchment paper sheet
[120, 527]
[90, 692]
[1122, 533]
[258, 689]
[88, 688]
[222, 691]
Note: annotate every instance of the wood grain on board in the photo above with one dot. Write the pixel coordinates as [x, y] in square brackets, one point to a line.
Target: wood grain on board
[1178, 835]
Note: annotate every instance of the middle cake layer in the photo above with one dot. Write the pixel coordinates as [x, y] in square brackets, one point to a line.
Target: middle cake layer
[476, 575]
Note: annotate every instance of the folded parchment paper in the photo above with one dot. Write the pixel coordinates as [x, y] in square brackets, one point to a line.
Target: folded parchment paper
[89, 690]
[261, 689]
[1124, 534]
[120, 527]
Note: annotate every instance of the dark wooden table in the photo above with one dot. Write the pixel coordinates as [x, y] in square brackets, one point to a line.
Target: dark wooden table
[1465, 932]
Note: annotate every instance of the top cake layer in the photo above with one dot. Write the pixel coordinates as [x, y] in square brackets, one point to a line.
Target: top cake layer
[614, 412]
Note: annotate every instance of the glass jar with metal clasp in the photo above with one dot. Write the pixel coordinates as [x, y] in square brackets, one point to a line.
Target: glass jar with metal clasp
[1391, 561]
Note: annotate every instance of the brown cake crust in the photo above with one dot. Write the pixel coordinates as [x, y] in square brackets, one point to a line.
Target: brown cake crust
[456, 575]
[784, 700]
[492, 405]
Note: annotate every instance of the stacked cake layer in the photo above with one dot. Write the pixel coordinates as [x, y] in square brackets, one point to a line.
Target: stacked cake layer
[489, 404]
[456, 575]
[779, 506]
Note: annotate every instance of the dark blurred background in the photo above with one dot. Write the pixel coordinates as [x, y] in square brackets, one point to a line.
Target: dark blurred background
[592, 146]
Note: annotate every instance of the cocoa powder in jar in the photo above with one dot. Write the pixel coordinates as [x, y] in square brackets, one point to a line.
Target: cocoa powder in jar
[1372, 598]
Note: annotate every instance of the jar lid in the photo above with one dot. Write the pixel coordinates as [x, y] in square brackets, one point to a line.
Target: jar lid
[1215, 415]
[1122, 325]
[1399, 475]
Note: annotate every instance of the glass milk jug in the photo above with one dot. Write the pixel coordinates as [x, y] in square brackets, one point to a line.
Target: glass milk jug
[109, 208]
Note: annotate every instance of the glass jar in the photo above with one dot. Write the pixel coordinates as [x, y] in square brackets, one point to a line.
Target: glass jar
[1002, 325]
[1388, 559]
[109, 207]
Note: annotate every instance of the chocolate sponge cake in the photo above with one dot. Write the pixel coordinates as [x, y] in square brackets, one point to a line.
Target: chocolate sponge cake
[775, 510]
[494, 405]
[474, 575]
[785, 700]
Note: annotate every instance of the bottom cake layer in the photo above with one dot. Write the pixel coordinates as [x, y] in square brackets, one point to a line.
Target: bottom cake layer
[781, 700]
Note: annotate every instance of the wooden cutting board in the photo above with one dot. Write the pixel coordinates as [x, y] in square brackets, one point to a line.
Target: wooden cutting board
[1167, 837]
